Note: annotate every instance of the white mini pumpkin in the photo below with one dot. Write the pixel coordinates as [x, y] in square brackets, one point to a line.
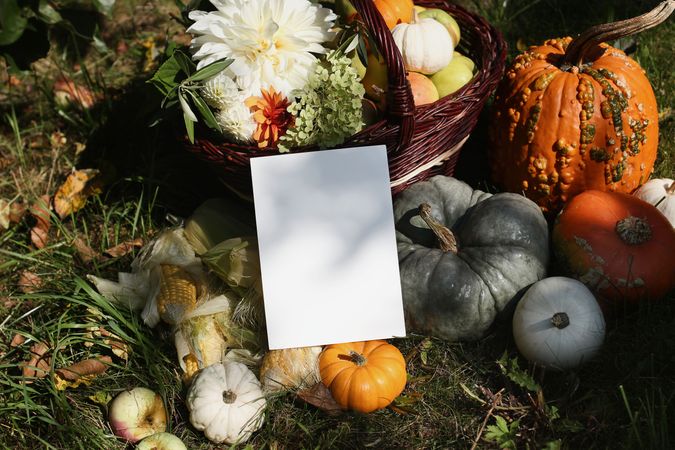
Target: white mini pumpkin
[425, 45]
[226, 402]
[558, 323]
[660, 192]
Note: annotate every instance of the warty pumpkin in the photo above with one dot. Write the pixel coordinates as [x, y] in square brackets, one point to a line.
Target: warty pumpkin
[491, 247]
[572, 115]
[619, 246]
[363, 376]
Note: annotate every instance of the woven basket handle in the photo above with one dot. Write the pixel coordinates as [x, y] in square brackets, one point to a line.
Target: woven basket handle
[400, 103]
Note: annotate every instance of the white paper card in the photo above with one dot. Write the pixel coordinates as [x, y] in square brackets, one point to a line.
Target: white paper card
[327, 246]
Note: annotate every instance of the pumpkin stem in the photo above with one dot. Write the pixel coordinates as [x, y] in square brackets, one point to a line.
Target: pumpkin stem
[355, 357]
[671, 189]
[446, 238]
[229, 397]
[577, 49]
[633, 230]
[560, 320]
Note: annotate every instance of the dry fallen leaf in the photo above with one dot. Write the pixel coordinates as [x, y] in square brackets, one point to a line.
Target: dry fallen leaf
[38, 365]
[82, 372]
[116, 344]
[86, 253]
[4, 214]
[66, 91]
[124, 248]
[39, 234]
[17, 340]
[319, 396]
[92, 366]
[29, 282]
[73, 193]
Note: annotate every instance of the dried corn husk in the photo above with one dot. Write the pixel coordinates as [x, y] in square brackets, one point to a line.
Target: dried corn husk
[237, 262]
[290, 368]
[207, 333]
[165, 280]
[216, 220]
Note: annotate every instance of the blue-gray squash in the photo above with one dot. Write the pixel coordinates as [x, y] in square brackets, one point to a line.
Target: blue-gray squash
[464, 254]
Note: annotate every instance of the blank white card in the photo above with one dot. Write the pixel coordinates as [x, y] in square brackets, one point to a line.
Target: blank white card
[327, 246]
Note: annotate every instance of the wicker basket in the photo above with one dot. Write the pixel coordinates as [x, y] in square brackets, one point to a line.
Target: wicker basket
[422, 141]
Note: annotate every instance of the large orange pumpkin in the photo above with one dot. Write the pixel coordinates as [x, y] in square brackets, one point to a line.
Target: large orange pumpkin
[620, 246]
[572, 115]
[363, 376]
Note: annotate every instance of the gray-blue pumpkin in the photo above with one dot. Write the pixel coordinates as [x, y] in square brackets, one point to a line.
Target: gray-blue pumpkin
[502, 247]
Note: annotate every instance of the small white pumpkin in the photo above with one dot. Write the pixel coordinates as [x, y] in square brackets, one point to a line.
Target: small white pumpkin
[425, 45]
[226, 402]
[558, 323]
[660, 192]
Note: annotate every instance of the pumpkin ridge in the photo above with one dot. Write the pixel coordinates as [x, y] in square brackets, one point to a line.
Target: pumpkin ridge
[479, 272]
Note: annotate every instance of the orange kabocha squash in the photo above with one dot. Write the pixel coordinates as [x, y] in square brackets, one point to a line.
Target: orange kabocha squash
[363, 376]
[573, 115]
[395, 11]
[621, 247]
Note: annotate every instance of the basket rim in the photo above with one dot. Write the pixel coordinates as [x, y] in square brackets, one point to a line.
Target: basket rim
[406, 115]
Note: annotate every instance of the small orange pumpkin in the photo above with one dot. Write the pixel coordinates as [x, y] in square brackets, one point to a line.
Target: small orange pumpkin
[363, 376]
[395, 11]
[572, 115]
[621, 247]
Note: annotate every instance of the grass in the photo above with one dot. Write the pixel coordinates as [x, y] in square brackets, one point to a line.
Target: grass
[625, 398]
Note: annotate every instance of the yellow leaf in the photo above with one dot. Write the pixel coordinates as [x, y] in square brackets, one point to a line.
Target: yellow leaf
[73, 193]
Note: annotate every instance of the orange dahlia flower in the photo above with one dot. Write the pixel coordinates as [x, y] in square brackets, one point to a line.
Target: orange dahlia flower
[271, 117]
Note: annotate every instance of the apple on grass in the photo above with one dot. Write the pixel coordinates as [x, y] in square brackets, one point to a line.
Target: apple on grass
[452, 77]
[136, 414]
[446, 20]
[161, 441]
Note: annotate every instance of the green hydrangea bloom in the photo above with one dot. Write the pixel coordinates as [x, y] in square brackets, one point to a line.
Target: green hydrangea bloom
[328, 109]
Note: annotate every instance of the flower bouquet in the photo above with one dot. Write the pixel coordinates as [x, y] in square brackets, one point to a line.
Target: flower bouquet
[268, 76]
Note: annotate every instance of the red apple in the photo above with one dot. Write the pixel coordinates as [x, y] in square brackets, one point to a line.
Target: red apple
[136, 414]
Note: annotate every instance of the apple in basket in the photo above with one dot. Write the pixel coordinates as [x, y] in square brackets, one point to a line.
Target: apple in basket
[453, 76]
[423, 89]
[445, 19]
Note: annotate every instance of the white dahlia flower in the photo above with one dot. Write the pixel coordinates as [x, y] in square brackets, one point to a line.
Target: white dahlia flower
[272, 42]
[220, 91]
[237, 122]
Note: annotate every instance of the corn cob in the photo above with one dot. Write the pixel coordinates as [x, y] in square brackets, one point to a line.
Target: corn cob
[177, 293]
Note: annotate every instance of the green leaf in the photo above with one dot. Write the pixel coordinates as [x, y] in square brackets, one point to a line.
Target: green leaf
[104, 6]
[184, 62]
[205, 111]
[501, 424]
[211, 70]
[512, 370]
[190, 127]
[185, 106]
[47, 13]
[362, 51]
[165, 77]
[12, 22]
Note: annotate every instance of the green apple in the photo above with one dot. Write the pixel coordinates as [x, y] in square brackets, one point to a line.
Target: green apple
[452, 77]
[446, 20]
[464, 59]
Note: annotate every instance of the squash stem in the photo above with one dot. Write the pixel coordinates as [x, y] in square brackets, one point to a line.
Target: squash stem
[577, 49]
[229, 397]
[633, 230]
[355, 357]
[446, 238]
[560, 320]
